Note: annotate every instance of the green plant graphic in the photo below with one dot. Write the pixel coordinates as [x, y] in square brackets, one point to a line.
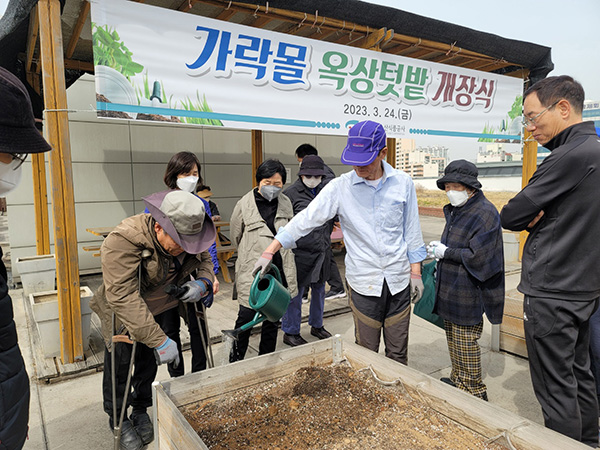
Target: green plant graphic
[516, 108]
[487, 129]
[199, 105]
[110, 51]
[515, 111]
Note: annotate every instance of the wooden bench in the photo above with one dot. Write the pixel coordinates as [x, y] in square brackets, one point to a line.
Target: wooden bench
[93, 248]
[224, 253]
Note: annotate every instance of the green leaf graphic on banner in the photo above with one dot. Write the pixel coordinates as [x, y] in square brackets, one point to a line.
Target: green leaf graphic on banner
[109, 51]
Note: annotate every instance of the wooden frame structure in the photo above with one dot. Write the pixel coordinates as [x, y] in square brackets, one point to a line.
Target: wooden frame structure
[48, 57]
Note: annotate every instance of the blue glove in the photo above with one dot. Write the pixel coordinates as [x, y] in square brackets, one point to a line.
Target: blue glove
[167, 352]
[195, 291]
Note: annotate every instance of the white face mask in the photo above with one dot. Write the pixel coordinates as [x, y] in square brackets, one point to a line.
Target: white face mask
[457, 198]
[311, 182]
[187, 184]
[10, 176]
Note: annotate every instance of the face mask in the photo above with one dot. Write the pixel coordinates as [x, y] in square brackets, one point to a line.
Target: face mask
[270, 192]
[187, 184]
[10, 176]
[311, 182]
[457, 198]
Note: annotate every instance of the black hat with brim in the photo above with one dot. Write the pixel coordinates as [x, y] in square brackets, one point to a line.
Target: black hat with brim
[18, 133]
[460, 171]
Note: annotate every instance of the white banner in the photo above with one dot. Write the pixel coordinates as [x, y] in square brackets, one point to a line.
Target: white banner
[157, 64]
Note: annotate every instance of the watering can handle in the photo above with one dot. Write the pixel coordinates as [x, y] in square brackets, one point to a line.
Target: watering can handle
[272, 268]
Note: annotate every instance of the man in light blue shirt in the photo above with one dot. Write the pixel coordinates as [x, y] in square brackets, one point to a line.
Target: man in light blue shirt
[379, 216]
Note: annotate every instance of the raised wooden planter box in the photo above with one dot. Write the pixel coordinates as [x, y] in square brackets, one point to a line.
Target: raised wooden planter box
[512, 332]
[173, 431]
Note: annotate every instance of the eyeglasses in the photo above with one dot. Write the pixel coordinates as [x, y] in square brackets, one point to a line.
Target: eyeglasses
[529, 121]
[21, 157]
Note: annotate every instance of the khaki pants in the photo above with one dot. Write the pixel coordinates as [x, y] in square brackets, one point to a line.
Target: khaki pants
[465, 356]
[388, 313]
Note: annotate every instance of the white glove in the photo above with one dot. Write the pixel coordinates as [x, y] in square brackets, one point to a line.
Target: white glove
[436, 250]
[195, 291]
[167, 352]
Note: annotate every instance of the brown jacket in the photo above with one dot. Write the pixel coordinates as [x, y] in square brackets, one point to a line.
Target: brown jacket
[121, 257]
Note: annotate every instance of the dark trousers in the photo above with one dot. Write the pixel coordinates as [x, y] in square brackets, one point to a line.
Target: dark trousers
[144, 372]
[198, 353]
[557, 333]
[390, 313]
[268, 336]
[335, 280]
[595, 349]
[170, 323]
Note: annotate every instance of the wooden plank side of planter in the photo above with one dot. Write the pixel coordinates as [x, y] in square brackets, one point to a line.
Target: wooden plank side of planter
[174, 431]
[488, 420]
[242, 374]
[513, 344]
[512, 325]
[485, 418]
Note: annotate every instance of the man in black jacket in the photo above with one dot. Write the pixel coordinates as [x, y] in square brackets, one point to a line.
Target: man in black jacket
[18, 137]
[560, 278]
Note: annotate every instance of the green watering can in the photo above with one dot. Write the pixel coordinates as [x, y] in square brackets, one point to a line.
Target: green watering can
[268, 298]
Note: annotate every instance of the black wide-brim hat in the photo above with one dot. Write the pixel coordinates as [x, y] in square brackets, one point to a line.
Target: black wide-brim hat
[460, 171]
[18, 133]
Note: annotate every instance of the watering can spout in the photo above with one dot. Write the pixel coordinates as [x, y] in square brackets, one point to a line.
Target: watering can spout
[268, 298]
[258, 318]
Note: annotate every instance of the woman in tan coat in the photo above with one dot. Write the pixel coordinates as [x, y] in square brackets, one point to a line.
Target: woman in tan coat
[254, 222]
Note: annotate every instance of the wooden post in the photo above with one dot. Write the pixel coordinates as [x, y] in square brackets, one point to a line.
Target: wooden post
[38, 166]
[40, 204]
[529, 167]
[65, 231]
[391, 153]
[257, 153]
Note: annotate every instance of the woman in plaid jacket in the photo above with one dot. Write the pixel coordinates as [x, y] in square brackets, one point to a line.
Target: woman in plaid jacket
[470, 273]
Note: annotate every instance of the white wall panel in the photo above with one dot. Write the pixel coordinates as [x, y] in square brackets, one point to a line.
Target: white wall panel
[156, 142]
[100, 141]
[101, 182]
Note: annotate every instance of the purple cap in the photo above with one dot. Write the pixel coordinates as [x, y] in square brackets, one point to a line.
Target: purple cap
[365, 140]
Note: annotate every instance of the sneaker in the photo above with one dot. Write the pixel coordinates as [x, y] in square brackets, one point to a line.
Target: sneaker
[143, 426]
[293, 340]
[331, 294]
[321, 333]
[305, 297]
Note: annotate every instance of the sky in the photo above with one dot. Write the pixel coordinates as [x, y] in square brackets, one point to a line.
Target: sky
[569, 28]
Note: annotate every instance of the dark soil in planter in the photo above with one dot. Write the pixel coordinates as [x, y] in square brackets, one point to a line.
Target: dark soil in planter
[326, 408]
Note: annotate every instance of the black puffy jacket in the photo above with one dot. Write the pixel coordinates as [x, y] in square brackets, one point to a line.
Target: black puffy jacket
[14, 381]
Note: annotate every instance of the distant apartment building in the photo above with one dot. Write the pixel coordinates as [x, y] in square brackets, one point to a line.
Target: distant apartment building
[591, 111]
[492, 153]
[420, 162]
